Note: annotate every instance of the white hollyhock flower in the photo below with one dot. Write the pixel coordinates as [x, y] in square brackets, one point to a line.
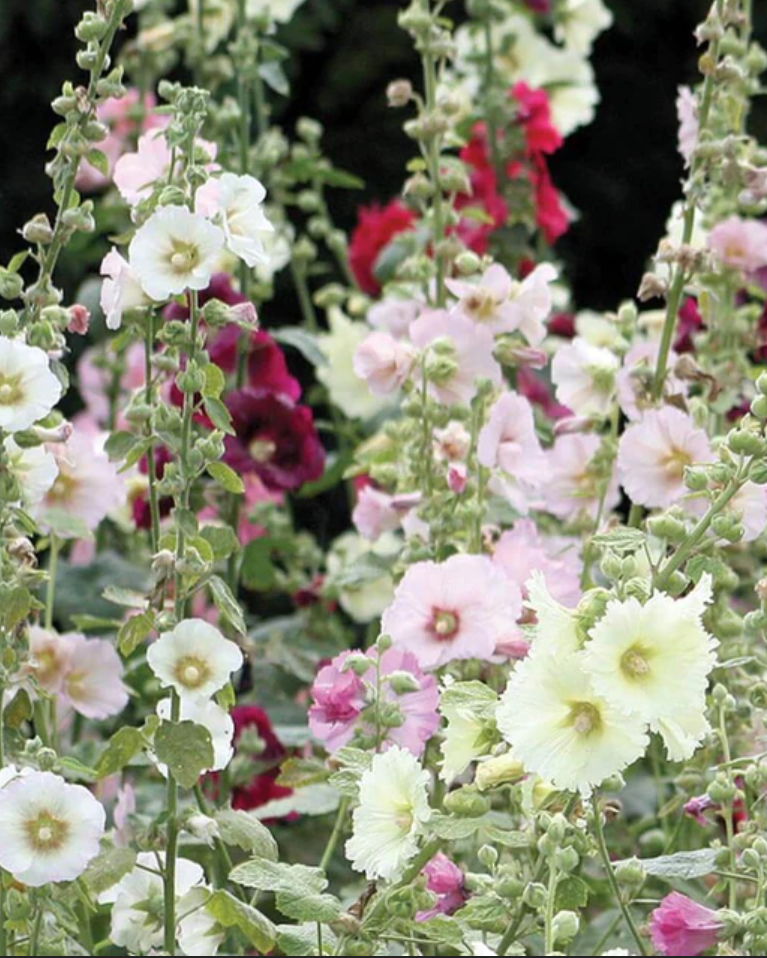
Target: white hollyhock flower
[175, 251]
[463, 741]
[198, 932]
[585, 377]
[28, 388]
[616, 952]
[561, 729]
[49, 830]
[34, 469]
[195, 659]
[237, 203]
[367, 600]
[210, 716]
[121, 289]
[479, 948]
[653, 661]
[556, 629]
[281, 11]
[394, 805]
[582, 21]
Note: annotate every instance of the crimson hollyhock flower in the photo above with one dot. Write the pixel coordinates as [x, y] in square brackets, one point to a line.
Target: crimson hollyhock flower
[690, 323]
[376, 228]
[534, 116]
[532, 387]
[552, 217]
[275, 438]
[538, 6]
[484, 194]
[267, 368]
[262, 787]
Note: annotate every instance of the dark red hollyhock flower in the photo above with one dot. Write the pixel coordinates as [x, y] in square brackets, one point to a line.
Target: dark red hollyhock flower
[553, 219]
[562, 325]
[536, 390]
[142, 511]
[220, 288]
[267, 368]
[534, 116]
[538, 6]
[263, 787]
[484, 195]
[376, 228]
[690, 323]
[275, 438]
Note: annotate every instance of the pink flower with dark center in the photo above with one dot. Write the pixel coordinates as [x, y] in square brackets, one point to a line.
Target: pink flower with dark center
[445, 880]
[681, 927]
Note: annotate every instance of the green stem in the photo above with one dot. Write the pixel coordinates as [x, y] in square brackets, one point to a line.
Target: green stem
[171, 852]
[551, 908]
[34, 941]
[433, 158]
[729, 815]
[154, 501]
[335, 836]
[615, 887]
[304, 294]
[320, 945]
[53, 566]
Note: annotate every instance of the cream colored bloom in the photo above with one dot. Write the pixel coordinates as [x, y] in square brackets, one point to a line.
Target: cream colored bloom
[236, 203]
[463, 741]
[195, 659]
[367, 599]
[556, 629]
[582, 21]
[35, 470]
[28, 388]
[347, 391]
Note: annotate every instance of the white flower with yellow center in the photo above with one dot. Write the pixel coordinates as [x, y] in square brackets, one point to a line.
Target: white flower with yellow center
[210, 716]
[653, 661]
[35, 470]
[237, 203]
[28, 388]
[195, 659]
[561, 729]
[49, 830]
[394, 806]
[175, 251]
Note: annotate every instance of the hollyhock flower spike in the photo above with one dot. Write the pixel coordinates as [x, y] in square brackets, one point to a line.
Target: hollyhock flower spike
[681, 926]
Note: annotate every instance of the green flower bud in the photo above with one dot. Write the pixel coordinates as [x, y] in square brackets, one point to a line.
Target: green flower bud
[631, 872]
[566, 926]
[11, 284]
[759, 405]
[488, 855]
[567, 859]
[404, 683]
[467, 802]
[535, 895]
[757, 472]
[38, 230]
[495, 772]
[745, 442]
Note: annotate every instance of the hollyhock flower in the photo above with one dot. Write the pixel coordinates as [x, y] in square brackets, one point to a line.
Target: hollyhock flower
[740, 244]
[393, 809]
[585, 377]
[49, 659]
[376, 228]
[539, 394]
[195, 659]
[210, 716]
[339, 697]
[465, 738]
[88, 485]
[121, 289]
[556, 627]
[561, 729]
[394, 316]
[79, 320]
[34, 469]
[509, 443]
[266, 364]
[523, 550]
[384, 363]
[49, 830]
[375, 513]
[551, 215]
[484, 197]
[93, 680]
[275, 439]
[136, 173]
[653, 454]
[457, 609]
[452, 444]
[680, 926]
[534, 115]
[236, 203]
[689, 123]
[634, 667]
[346, 389]
[698, 806]
[262, 753]
[575, 483]
[581, 22]
[636, 377]
[467, 351]
[690, 322]
[175, 251]
[28, 388]
[363, 601]
[750, 503]
[445, 880]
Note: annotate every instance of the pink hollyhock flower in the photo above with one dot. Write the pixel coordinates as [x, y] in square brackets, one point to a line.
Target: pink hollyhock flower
[740, 244]
[689, 125]
[534, 116]
[135, 174]
[275, 439]
[523, 550]
[585, 377]
[452, 444]
[394, 315]
[751, 504]
[49, 659]
[376, 228]
[509, 443]
[573, 485]
[95, 383]
[458, 478]
[266, 364]
[680, 926]
[636, 377]
[375, 513]
[458, 609]
[697, 807]
[470, 347]
[93, 682]
[653, 454]
[341, 697]
[121, 289]
[125, 807]
[384, 363]
[445, 880]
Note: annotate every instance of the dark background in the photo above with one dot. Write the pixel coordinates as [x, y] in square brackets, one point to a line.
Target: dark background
[623, 172]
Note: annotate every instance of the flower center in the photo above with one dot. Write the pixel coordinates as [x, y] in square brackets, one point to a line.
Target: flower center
[262, 450]
[675, 463]
[635, 664]
[481, 304]
[63, 489]
[192, 672]
[445, 624]
[585, 718]
[184, 256]
[46, 832]
[11, 391]
[603, 380]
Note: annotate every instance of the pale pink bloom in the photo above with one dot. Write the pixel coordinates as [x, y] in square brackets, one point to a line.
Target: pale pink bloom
[503, 305]
[573, 485]
[523, 550]
[458, 477]
[93, 682]
[124, 809]
[445, 880]
[453, 443]
[680, 926]
[689, 124]
[375, 513]
[510, 444]
[49, 659]
[584, 375]
[740, 244]
[95, 383]
[469, 346]
[394, 315]
[121, 289]
[384, 363]
[653, 454]
[236, 203]
[136, 174]
[636, 377]
[88, 486]
[751, 504]
[457, 609]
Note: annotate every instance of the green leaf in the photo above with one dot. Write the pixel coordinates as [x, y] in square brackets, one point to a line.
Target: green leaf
[353, 762]
[300, 772]
[15, 606]
[246, 832]
[73, 769]
[226, 603]
[119, 445]
[341, 179]
[259, 573]
[222, 540]
[314, 800]
[475, 698]
[134, 632]
[18, 710]
[123, 747]
[18, 261]
[301, 940]
[622, 539]
[94, 623]
[99, 160]
[572, 894]
[370, 567]
[232, 913]
[226, 477]
[304, 342]
[109, 868]
[298, 889]
[187, 750]
[685, 865]
[64, 525]
[215, 382]
[275, 78]
[219, 415]
[124, 597]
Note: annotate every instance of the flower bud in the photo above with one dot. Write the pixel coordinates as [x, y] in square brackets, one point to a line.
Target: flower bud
[535, 895]
[488, 855]
[203, 828]
[467, 802]
[567, 859]
[503, 770]
[399, 93]
[38, 230]
[630, 872]
[404, 683]
[79, 320]
[566, 926]
[11, 284]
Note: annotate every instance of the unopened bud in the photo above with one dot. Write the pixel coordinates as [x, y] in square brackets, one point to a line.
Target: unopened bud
[399, 93]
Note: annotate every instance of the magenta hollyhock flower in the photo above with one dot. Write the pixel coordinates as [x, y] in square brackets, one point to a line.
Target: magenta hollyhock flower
[697, 807]
[534, 116]
[681, 926]
[445, 880]
[275, 438]
[266, 365]
[339, 698]
[458, 609]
